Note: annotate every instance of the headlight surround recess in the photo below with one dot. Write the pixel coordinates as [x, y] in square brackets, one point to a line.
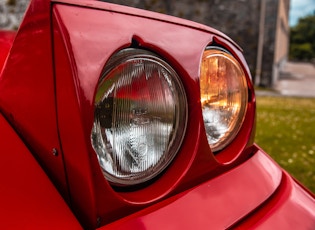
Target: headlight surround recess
[224, 96]
[140, 117]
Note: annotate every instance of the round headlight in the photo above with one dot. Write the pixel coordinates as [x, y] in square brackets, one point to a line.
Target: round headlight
[224, 97]
[140, 117]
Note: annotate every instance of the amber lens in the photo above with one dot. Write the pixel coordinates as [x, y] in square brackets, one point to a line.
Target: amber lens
[223, 90]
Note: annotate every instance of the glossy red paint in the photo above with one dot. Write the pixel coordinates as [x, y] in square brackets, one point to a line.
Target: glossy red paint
[82, 48]
[219, 204]
[49, 101]
[6, 40]
[27, 97]
[291, 207]
[28, 199]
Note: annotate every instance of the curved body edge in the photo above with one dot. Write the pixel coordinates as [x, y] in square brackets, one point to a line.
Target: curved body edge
[28, 199]
[225, 202]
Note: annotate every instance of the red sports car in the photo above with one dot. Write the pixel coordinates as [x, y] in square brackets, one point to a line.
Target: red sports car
[118, 118]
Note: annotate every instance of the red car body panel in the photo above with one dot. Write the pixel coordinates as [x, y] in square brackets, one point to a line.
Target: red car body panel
[219, 204]
[290, 207]
[6, 40]
[27, 89]
[28, 198]
[78, 71]
[60, 50]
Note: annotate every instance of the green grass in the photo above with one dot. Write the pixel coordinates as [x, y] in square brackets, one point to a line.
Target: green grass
[286, 130]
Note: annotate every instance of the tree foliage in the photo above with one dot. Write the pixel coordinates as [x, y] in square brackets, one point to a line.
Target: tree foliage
[302, 39]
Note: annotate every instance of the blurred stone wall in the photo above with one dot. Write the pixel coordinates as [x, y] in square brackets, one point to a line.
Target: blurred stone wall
[11, 13]
[239, 19]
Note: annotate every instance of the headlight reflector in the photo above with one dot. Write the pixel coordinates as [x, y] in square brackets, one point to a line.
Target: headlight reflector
[140, 117]
[224, 97]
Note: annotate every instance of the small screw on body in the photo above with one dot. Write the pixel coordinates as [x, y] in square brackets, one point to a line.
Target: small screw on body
[55, 152]
[98, 222]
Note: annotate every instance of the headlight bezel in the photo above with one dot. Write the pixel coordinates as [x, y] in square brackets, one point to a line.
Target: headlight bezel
[124, 56]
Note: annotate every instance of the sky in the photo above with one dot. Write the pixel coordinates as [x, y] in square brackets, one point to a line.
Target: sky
[300, 8]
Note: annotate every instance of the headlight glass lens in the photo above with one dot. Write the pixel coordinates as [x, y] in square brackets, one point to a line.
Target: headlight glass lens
[140, 117]
[224, 97]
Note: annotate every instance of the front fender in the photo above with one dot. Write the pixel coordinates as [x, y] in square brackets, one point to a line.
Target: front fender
[27, 197]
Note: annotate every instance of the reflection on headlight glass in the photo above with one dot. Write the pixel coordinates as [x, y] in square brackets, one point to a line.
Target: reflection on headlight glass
[223, 92]
[140, 116]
